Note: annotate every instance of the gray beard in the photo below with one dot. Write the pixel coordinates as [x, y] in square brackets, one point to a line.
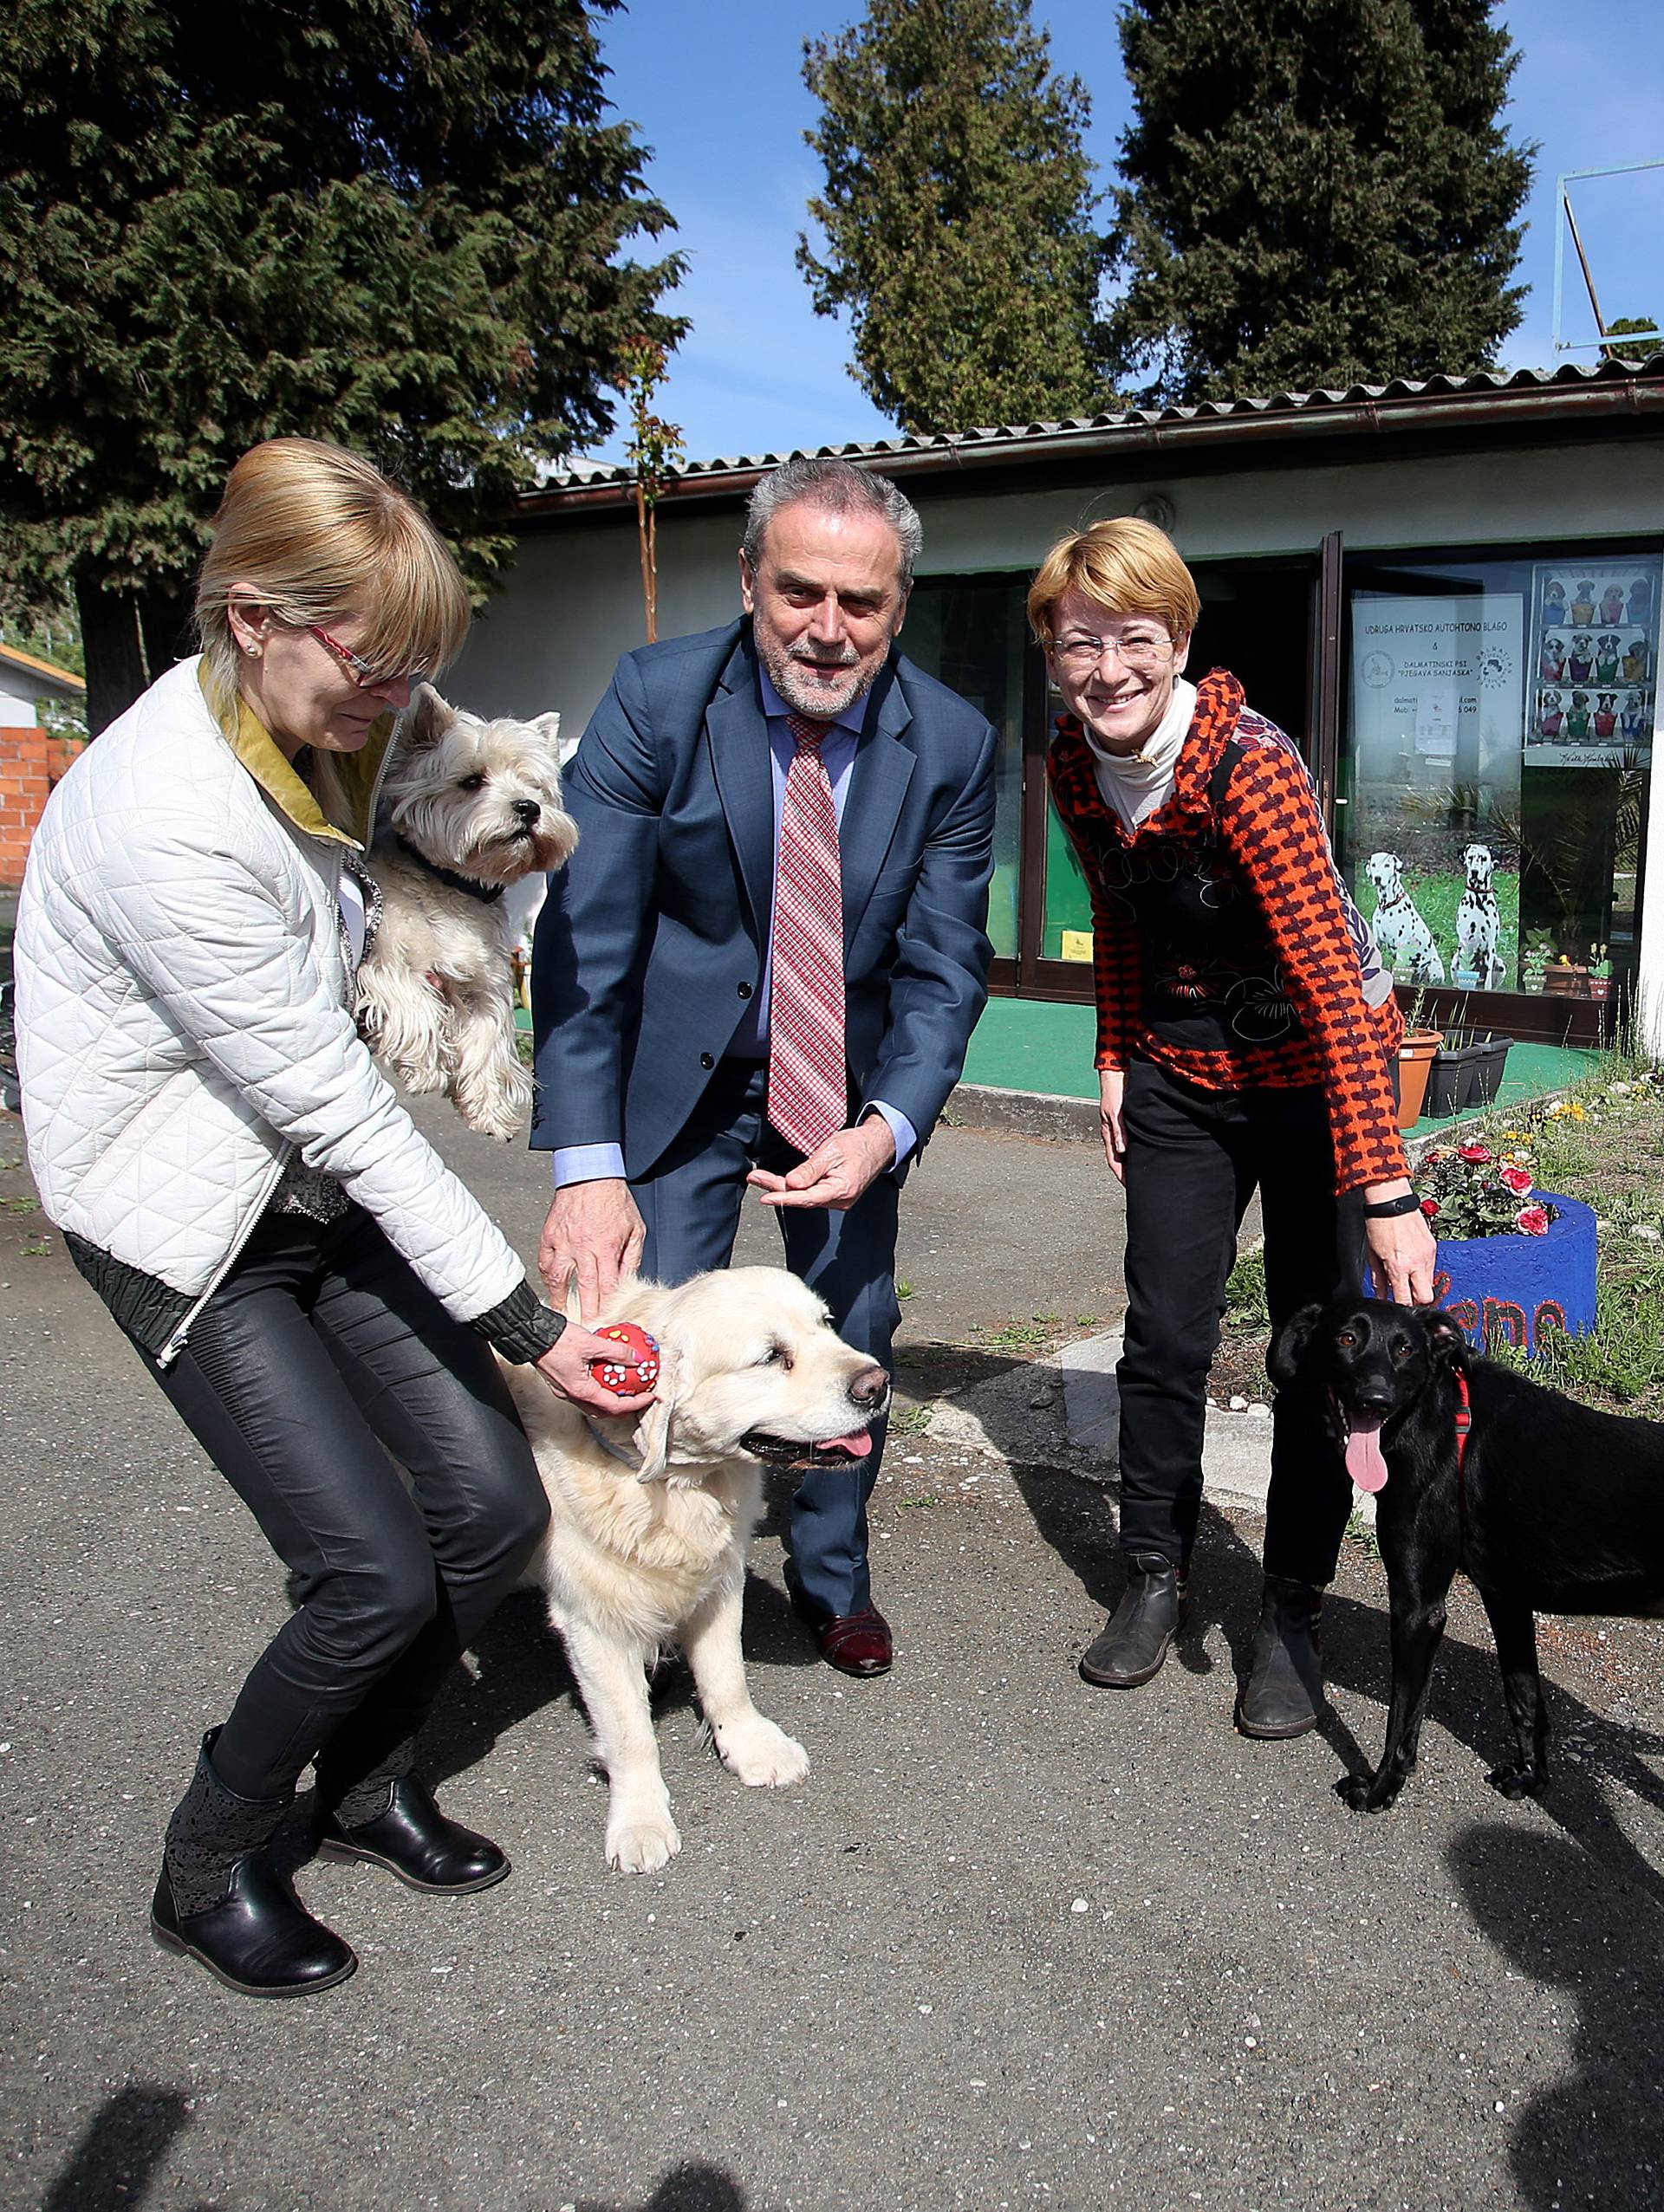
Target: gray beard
[819, 704]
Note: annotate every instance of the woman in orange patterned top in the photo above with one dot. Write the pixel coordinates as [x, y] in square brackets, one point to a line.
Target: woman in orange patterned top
[1246, 1037]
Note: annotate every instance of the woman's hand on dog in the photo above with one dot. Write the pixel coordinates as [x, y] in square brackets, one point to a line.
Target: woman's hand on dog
[594, 1232]
[566, 1369]
[1402, 1250]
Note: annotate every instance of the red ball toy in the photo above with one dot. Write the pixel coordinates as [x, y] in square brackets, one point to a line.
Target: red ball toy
[612, 1375]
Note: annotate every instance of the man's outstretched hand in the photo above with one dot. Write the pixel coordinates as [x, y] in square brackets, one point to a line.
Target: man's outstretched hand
[836, 1173]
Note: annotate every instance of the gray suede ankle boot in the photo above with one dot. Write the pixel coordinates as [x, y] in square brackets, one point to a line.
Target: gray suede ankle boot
[1137, 1635]
[1284, 1694]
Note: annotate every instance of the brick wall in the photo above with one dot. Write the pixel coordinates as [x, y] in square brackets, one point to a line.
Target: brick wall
[31, 762]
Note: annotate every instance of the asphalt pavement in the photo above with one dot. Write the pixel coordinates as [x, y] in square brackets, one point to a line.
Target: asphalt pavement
[1014, 1942]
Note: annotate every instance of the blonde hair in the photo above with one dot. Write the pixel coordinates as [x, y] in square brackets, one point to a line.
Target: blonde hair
[1127, 567]
[322, 537]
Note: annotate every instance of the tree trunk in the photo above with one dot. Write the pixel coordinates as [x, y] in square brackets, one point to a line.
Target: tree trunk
[167, 626]
[109, 637]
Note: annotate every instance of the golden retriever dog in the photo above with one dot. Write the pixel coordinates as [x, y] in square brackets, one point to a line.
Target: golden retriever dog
[651, 1516]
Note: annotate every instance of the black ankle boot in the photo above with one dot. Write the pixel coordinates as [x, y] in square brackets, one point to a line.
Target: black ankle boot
[1136, 1635]
[394, 1822]
[1284, 1694]
[220, 1900]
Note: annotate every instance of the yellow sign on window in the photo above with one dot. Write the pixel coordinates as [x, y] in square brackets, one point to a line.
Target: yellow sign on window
[1077, 944]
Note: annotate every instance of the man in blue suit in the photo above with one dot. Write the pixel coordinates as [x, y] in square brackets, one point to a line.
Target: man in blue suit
[659, 950]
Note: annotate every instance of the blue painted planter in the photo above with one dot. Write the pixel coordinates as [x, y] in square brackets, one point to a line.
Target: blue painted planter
[1511, 1289]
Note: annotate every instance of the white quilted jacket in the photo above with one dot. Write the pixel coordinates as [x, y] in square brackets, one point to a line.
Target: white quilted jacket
[180, 1024]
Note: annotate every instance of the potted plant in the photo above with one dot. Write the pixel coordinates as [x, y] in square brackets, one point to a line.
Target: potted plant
[1415, 1065]
[1512, 1262]
[1566, 977]
[1600, 971]
[1534, 960]
[1450, 1081]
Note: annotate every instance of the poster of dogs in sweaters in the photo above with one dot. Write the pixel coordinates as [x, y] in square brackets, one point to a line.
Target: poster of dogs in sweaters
[1594, 660]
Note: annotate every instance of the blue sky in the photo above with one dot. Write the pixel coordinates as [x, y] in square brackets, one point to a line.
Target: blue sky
[715, 87]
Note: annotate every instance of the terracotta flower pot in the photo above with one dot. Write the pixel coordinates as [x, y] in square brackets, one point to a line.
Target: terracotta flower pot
[1414, 1066]
[1565, 982]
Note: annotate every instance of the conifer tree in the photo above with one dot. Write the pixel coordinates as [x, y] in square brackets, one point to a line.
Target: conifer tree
[956, 214]
[393, 222]
[1319, 191]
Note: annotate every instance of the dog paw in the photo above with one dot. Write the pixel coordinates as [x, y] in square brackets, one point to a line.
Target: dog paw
[642, 1846]
[763, 1755]
[1364, 1794]
[1516, 1781]
[491, 1117]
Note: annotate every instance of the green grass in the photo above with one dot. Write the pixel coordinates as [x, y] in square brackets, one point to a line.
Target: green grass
[1032, 1335]
[1244, 1293]
[1613, 1159]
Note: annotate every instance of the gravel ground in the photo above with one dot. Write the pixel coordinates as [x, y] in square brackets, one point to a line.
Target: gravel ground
[1015, 1941]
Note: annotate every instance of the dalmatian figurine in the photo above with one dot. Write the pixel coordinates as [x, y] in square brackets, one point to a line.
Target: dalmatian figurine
[1404, 938]
[1478, 920]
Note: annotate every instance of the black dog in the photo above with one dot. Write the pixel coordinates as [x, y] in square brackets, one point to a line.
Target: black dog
[1545, 1506]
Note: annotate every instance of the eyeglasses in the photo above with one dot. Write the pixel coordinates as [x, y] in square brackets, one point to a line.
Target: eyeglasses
[1080, 655]
[366, 678]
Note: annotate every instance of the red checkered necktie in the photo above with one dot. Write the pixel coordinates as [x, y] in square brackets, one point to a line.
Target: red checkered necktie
[808, 1088]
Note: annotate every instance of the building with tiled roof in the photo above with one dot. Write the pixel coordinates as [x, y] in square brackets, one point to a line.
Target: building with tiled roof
[1445, 587]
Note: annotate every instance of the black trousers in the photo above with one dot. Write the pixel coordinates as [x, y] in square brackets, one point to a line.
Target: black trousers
[319, 1355]
[1193, 1158]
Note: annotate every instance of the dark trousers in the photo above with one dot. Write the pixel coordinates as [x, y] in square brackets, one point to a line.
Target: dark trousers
[319, 1355]
[691, 1205]
[1193, 1158]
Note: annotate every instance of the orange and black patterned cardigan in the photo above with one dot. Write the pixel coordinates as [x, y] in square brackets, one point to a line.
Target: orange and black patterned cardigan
[1295, 974]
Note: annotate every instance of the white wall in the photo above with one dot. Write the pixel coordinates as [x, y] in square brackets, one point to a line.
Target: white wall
[17, 712]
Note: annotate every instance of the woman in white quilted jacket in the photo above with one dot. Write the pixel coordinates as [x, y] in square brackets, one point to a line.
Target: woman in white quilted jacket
[305, 1279]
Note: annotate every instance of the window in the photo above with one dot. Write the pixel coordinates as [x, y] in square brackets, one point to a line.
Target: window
[1500, 728]
[970, 633]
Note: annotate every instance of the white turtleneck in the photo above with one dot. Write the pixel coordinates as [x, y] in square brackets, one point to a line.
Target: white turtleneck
[1135, 784]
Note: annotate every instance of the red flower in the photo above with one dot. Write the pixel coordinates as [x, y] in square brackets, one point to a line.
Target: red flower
[1532, 1220]
[1430, 1207]
[1517, 1181]
[1476, 1155]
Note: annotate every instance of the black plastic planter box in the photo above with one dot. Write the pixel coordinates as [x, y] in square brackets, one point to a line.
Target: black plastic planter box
[1465, 1076]
[1484, 1070]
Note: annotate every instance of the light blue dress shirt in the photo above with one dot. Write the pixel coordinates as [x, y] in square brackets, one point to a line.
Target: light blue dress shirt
[590, 1162]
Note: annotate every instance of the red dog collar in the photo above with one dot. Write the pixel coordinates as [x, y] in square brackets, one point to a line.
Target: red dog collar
[1464, 1418]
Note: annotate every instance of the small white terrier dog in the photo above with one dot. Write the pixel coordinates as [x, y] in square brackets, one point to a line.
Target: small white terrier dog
[468, 808]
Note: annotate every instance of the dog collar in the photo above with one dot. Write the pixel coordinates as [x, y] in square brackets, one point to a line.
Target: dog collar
[1464, 1418]
[613, 1450]
[487, 893]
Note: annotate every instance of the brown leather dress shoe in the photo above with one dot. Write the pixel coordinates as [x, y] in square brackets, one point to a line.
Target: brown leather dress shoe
[857, 1643]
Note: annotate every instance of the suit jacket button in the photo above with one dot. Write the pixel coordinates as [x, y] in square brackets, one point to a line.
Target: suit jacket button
[744, 991]
[705, 1060]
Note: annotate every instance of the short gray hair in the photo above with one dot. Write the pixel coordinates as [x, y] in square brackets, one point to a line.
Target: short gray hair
[839, 487]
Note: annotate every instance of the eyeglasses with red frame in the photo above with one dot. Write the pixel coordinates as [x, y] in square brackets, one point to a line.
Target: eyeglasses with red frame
[366, 678]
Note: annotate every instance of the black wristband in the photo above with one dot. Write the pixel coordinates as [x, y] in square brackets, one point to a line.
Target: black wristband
[1389, 1208]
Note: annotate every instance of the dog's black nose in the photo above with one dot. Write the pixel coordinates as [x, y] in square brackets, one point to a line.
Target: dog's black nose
[870, 1388]
[527, 810]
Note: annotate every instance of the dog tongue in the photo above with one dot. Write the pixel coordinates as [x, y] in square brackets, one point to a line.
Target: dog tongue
[858, 1443]
[1363, 1461]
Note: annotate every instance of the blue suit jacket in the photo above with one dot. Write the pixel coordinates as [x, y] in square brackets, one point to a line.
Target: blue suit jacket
[650, 943]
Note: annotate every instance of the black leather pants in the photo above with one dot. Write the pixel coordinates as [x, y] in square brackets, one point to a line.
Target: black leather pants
[319, 1354]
